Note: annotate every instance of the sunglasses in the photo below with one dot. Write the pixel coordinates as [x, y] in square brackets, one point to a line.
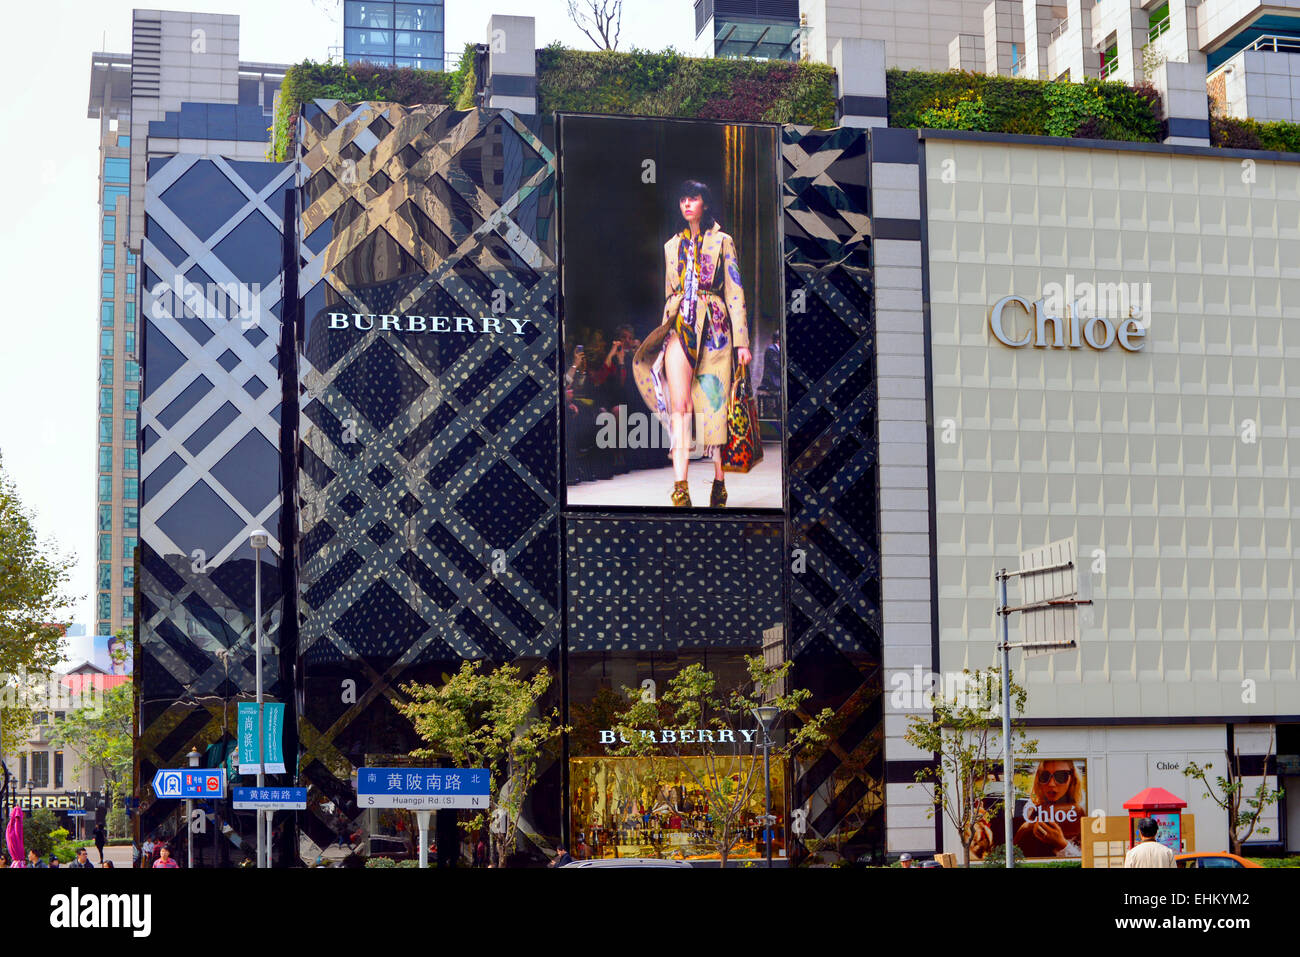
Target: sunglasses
[1060, 777]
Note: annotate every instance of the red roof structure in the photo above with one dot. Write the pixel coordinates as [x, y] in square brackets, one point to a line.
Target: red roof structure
[1153, 798]
[81, 683]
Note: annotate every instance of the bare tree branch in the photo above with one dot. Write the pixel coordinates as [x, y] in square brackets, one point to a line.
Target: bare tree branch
[600, 20]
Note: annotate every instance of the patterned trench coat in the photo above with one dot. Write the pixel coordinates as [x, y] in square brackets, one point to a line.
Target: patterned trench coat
[710, 325]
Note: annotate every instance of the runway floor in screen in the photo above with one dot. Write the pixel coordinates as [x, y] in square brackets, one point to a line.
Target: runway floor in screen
[759, 488]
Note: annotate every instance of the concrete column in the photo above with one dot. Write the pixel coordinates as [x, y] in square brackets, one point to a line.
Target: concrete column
[1040, 19]
[1185, 103]
[511, 82]
[966, 52]
[860, 66]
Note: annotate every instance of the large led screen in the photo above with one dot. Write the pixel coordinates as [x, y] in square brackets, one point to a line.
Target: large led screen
[672, 277]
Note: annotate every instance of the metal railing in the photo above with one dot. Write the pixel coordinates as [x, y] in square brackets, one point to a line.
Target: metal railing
[1059, 31]
[1159, 28]
[1276, 44]
[1108, 67]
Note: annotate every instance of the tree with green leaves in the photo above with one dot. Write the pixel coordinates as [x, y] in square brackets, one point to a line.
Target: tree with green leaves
[100, 733]
[1244, 808]
[488, 719]
[33, 608]
[726, 767]
[964, 730]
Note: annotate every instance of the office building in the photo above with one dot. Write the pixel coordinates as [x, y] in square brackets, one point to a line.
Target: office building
[394, 34]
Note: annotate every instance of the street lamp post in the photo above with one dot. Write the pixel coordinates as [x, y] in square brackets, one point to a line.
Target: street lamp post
[767, 715]
[259, 540]
[193, 758]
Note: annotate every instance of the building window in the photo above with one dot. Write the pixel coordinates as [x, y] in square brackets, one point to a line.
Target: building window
[106, 286]
[111, 193]
[40, 769]
[105, 577]
[128, 606]
[132, 400]
[107, 258]
[110, 229]
[131, 488]
[105, 549]
[105, 371]
[117, 169]
[106, 460]
[130, 284]
[58, 769]
[130, 258]
[22, 770]
[106, 488]
[128, 547]
[105, 518]
[128, 576]
[132, 460]
[123, 141]
[106, 315]
[129, 428]
[106, 429]
[106, 401]
[128, 343]
[130, 516]
[105, 606]
[132, 371]
[106, 342]
[130, 313]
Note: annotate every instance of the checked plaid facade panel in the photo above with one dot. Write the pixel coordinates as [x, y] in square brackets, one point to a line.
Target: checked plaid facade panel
[209, 453]
[428, 471]
[834, 617]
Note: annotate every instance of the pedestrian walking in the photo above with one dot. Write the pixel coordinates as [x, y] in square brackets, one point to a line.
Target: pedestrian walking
[1149, 852]
[83, 860]
[562, 857]
[34, 859]
[101, 838]
[165, 858]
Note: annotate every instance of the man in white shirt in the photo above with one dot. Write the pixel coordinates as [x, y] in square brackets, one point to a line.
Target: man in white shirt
[1149, 852]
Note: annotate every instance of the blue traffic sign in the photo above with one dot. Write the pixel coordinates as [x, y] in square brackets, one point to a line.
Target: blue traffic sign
[190, 783]
[269, 799]
[77, 812]
[423, 787]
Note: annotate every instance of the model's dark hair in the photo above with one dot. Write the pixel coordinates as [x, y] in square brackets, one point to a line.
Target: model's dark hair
[1148, 827]
[693, 188]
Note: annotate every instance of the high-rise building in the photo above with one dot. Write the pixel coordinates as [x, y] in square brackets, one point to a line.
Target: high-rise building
[181, 88]
[394, 34]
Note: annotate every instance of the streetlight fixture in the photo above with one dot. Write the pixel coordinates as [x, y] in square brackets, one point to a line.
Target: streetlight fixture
[767, 716]
[259, 539]
[193, 758]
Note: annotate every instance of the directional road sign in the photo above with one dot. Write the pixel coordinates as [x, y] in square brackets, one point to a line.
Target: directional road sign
[423, 787]
[269, 799]
[190, 783]
[76, 812]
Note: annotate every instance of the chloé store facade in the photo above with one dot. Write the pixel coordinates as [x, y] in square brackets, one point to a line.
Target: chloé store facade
[450, 339]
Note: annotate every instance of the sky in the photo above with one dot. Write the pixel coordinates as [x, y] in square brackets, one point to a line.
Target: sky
[48, 337]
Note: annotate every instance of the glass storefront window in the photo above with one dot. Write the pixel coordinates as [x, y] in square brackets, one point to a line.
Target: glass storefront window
[665, 807]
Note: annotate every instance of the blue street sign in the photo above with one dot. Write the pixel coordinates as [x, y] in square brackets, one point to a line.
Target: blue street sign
[190, 783]
[77, 812]
[422, 787]
[269, 799]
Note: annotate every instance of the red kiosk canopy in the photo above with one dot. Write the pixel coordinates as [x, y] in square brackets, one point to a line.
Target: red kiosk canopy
[1154, 799]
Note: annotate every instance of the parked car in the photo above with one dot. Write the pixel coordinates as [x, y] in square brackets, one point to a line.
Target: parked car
[1213, 859]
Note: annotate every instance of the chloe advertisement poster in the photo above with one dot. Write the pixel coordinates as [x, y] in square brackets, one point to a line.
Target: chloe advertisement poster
[672, 302]
[1051, 811]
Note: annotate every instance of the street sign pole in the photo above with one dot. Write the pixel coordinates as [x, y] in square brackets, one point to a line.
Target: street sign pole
[257, 541]
[1008, 786]
[423, 818]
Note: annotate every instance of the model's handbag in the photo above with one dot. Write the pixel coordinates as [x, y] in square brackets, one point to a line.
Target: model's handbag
[744, 449]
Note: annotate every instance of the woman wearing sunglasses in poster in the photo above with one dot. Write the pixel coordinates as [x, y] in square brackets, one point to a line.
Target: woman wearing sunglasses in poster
[684, 368]
[1053, 816]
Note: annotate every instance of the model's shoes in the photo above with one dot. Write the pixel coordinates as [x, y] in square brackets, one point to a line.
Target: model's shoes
[718, 497]
[681, 494]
